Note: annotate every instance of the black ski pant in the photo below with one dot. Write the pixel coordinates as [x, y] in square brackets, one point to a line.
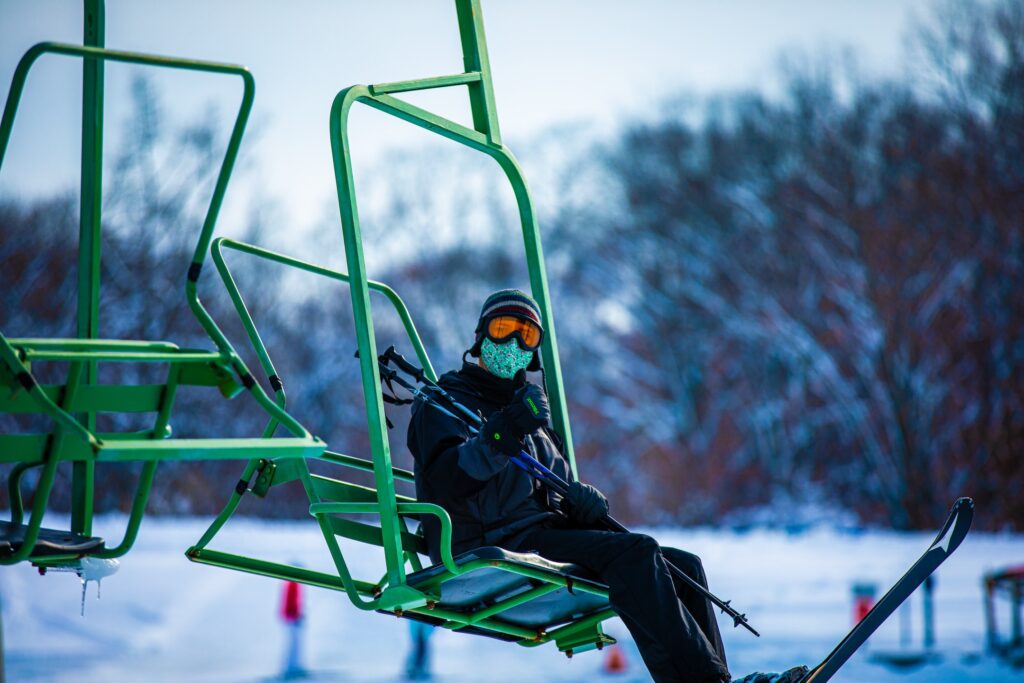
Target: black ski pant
[674, 626]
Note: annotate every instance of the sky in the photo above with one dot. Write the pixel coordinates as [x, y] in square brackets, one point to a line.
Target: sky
[554, 63]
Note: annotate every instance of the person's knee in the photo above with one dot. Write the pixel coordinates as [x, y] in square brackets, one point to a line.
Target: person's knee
[642, 544]
[636, 553]
[688, 562]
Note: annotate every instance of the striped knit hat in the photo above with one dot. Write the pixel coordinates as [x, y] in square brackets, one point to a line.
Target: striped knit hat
[507, 302]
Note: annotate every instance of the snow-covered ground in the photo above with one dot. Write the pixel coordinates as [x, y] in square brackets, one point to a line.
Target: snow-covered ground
[162, 618]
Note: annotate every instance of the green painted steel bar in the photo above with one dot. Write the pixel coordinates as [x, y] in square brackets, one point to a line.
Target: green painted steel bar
[106, 345]
[135, 516]
[274, 570]
[229, 509]
[14, 490]
[321, 580]
[250, 328]
[456, 620]
[207, 449]
[545, 575]
[90, 213]
[321, 509]
[365, 465]
[475, 59]
[27, 60]
[183, 356]
[396, 301]
[426, 83]
[148, 470]
[43, 488]
[507, 604]
[10, 357]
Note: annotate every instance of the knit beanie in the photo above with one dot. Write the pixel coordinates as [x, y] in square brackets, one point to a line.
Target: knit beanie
[513, 302]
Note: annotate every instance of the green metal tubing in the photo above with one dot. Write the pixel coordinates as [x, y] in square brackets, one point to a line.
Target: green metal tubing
[21, 72]
[509, 603]
[148, 471]
[229, 509]
[280, 397]
[45, 484]
[137, 511]
[426, 83]
[266, 254]
[475, 59]
[127, 356]
[63, 419]
[208, 449]
[322, 580]
[365, 465]
[457, 620]
[273, 569]
[91, 199]
[319, 509]
[38, 344]
[558, 580]
[14, 490]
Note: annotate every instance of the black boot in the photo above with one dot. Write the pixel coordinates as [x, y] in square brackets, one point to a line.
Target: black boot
[794, 675]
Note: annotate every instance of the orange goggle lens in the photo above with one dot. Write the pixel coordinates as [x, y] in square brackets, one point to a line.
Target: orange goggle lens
[504, 326]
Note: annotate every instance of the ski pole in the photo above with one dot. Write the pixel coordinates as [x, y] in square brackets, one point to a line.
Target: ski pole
[528, 463]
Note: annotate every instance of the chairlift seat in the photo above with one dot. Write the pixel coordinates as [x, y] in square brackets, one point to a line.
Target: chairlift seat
[488, 584]
[50, 542]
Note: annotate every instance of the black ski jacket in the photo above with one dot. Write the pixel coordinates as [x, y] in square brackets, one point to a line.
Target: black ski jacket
[490, 501]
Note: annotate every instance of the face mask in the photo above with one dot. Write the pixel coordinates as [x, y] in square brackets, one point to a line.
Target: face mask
[505, 360]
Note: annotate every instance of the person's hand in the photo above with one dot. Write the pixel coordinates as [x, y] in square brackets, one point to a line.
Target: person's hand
[504, 430]
[529, 410]
[584, 503]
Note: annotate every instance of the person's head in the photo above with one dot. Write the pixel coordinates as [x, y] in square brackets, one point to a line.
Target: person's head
[508, 333]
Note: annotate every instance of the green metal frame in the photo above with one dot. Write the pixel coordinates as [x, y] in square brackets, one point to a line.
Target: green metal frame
[334, 502]
[74, 405]
[483, 137]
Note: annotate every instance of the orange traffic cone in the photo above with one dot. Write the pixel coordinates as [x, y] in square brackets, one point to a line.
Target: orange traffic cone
[614, 660]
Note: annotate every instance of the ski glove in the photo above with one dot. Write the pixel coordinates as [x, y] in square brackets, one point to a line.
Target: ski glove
[529, 409]
[505, 429]
[584, 503]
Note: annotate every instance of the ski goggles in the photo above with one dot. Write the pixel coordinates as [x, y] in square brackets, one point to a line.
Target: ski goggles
[503, 327]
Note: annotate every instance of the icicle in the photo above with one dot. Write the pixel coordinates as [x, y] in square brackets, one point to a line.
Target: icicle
[95, 569]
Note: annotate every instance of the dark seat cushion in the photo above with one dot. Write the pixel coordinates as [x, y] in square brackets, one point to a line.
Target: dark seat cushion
[49, 542]
[484, 586]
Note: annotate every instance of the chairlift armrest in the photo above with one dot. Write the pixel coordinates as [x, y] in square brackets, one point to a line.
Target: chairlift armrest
[403, 508]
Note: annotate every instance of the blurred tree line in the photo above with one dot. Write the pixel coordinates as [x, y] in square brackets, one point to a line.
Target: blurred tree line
[768, 307]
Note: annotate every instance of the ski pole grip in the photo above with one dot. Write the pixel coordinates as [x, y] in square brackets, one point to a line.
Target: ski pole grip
[405, 365]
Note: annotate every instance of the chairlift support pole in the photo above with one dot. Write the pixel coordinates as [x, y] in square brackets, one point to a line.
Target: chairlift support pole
[83, 472]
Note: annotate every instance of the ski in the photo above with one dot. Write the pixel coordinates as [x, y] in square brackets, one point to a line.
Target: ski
[949, 538]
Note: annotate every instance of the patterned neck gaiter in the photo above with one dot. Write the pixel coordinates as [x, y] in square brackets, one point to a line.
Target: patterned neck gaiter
[505, 360]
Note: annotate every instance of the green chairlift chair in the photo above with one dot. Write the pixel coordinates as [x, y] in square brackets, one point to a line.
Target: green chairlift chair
[489, 591]
[73, 405]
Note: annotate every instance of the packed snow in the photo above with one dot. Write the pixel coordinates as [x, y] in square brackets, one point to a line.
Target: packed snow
[163, 618]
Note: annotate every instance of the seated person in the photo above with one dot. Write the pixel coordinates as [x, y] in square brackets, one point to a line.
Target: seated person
[494, 503]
